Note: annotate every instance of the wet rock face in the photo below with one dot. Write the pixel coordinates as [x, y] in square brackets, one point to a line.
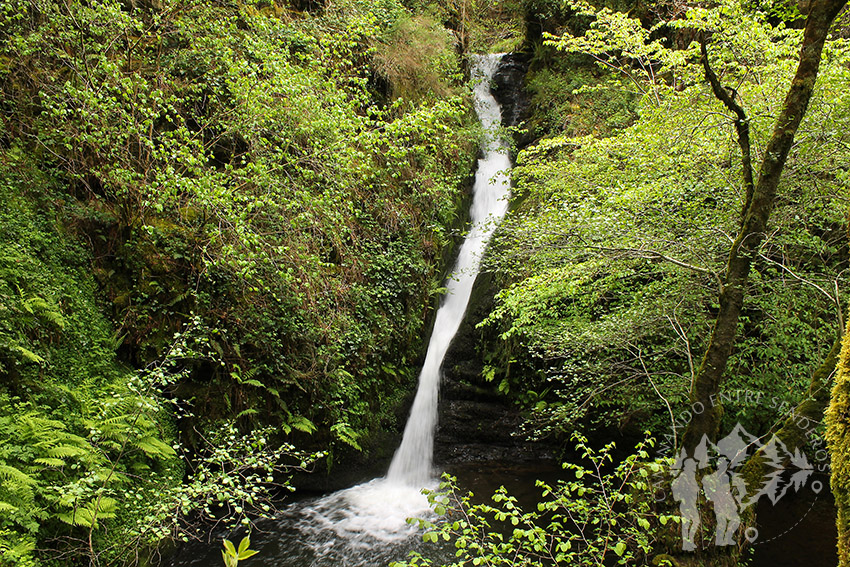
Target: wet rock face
[480, 430]
[472, 417]
[476, 423]
[509, 90]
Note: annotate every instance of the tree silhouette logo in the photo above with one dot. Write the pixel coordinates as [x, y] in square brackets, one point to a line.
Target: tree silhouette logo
[717, 470]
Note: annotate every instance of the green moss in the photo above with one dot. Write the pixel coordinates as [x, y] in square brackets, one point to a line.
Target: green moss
[838, 441]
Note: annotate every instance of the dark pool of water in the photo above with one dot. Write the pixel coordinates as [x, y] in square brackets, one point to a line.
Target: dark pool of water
[298, 538]
[798, 530]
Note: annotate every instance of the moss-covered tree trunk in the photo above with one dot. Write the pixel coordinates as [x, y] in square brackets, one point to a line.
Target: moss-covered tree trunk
[838, 441]
[796, 427]
[757, 209]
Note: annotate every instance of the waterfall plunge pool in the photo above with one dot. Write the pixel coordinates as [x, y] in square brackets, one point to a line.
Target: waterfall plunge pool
[323, 532]
[365, 525]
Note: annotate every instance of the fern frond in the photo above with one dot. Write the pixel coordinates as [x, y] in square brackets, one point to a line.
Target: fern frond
[153, 447]
[301, 423]
[106, 507]
[65, 451]
[103, 475]
[6, 508]
[35, 426]
[81, 517]
[49, 462]
[55, 317]
[14, 475]
[90, 513]
[28, 354]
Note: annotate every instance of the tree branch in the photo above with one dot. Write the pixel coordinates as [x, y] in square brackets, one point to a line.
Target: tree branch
[742, 123]
[835, 299]
[655, 255]
[756, 216]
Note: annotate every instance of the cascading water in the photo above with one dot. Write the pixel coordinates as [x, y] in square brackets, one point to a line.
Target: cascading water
[366, 524]
[412, 462]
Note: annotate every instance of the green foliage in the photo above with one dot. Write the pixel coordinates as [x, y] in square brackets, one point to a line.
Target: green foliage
[240, 164]
[417, 52]
[609, 263]
[606, 514]
[224, 197]
[73, 427]
[236, 480]
[233, 556]
[563, 102]
[618, 41]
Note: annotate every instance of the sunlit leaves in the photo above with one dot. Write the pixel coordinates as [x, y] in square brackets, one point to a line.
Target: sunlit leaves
[611, 257]
[608, 513]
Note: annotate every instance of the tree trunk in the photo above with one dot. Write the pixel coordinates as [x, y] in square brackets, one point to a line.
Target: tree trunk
[838, 441]
[798, 425]
[709, 377]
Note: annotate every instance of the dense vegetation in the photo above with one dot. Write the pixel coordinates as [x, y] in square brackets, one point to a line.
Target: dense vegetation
[215, 218]
[633, 225]
[612, 259]
[633, 234]
[224, 225]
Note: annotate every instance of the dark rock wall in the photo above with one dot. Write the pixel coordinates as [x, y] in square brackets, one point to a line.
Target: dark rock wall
[509, 90]
[476, 422]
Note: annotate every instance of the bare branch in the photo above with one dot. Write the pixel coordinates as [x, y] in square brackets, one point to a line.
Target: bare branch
[658, 393]
[655, 255]
[677, 327]
[835, 299]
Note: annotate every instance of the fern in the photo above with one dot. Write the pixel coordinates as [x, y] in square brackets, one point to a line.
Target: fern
[302, 424]
[247, 412]
[39, 307]
[49, 462]
[154, 448]
[15, 549]
[66, 451]
[28, 354]
[15, 476]
[6, 508]
[89, 514]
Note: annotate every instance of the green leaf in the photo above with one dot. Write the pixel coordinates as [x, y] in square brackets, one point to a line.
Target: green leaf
[244, 544]
[153, 447]
[302, 424]
[11, 473]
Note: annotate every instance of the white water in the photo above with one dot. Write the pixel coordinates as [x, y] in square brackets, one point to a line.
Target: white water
[357, 527]
[412, 462]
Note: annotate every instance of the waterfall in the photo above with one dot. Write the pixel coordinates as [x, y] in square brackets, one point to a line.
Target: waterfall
[366, 524]
[412, 462]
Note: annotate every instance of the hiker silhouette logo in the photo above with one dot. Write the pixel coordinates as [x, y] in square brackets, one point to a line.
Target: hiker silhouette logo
[720, 472]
